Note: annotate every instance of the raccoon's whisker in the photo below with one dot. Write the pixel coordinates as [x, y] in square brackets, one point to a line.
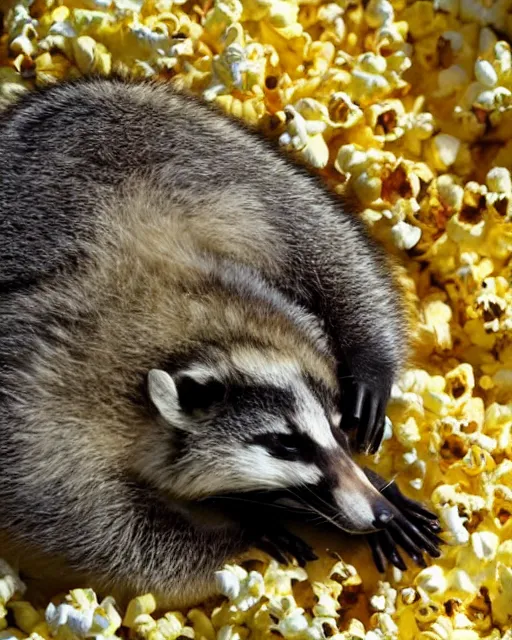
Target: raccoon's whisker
[325, 518]
[317, 497]
[249, 501]
[317, 520]
[321, 514]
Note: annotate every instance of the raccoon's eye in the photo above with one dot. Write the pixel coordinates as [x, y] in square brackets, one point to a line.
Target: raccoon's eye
[286, 447]
[279, 445]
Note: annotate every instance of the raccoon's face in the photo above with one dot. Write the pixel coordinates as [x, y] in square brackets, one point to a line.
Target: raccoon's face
[255, 422]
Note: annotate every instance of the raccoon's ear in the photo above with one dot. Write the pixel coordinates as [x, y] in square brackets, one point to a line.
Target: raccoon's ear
[164, 394]
[183, 393]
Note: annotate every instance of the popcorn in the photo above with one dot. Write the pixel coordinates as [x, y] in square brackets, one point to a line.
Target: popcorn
[306, 137]
[431, 580]
[454, 524]
[10, 583]
[408, 106]
[485, 545]
[243, 589]
[405, 235]
[485, 73]
[444, 151]
[142, 605]
[202, 625]
[26, 616]
[232, 69]
[81, 616]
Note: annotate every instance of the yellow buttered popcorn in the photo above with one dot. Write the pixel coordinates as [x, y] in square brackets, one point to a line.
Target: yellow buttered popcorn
[407, 106]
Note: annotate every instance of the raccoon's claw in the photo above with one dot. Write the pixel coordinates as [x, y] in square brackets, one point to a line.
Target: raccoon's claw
[282, 545]
[413, 528]
[363, 409]
[384, 550]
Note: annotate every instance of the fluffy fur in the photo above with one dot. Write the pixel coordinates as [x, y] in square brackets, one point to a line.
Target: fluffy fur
[140, 231]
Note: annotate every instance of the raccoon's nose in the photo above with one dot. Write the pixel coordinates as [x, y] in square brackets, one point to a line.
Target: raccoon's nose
[383, 514]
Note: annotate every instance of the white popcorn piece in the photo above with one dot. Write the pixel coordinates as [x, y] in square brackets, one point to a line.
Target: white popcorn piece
[278, 579]
[409, 595]
[171, 626]
[326, 607]
[242, 589]
[485, 545]
[388, 429]
[379, 13]
[450, 192]
[405, 235]
[410, 457]
[454, 523]
[442, 628]
[387, 625]
[485, 73]
[485, 442]
[79, 621]
[368, 188]
[431, 580]
[378, 603]
[397, 575]
[10, 583]
[306, 136]
[343, 112]
[447, 147]
[455, 38]
[355, 630]
[498, 180]
[293, 624]
[459, 580]
[282, 606]
[228, 583]
[461, 621]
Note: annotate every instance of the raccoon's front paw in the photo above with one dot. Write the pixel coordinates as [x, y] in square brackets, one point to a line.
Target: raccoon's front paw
[363, 408]
[413, 528]
[282, 545]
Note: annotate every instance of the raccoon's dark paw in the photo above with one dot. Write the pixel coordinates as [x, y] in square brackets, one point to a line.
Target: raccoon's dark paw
[363, 408]
[282, 545]
[413, 528]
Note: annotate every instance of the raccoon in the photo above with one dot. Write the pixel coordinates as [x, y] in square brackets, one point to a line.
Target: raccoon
[190, 323]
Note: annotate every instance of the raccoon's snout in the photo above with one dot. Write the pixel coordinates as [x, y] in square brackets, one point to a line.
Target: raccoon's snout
[360, 507]
[360, 511]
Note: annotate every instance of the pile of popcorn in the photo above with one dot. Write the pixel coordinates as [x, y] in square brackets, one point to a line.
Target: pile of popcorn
[407, 107]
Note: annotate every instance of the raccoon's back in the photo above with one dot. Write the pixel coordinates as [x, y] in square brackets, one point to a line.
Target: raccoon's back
[66, 150]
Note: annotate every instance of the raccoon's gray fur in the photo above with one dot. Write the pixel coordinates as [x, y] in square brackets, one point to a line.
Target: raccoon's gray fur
[178, 302]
